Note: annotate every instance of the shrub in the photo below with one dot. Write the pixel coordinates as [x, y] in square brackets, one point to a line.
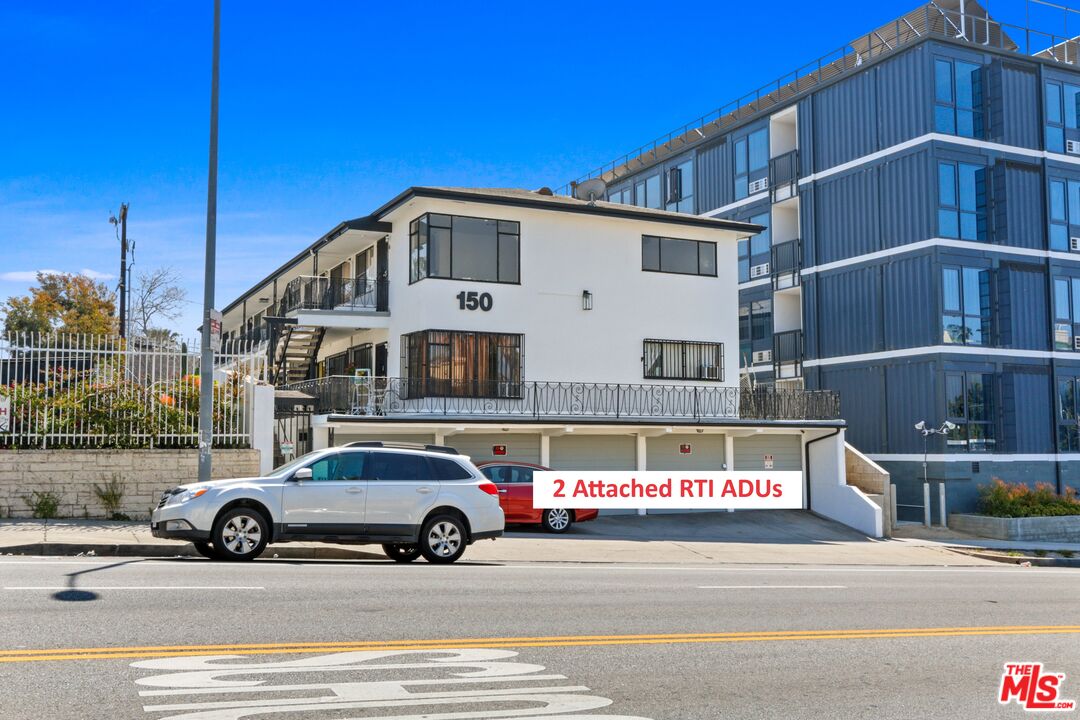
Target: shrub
[1016, 500]
[43, 504]
[111, 497]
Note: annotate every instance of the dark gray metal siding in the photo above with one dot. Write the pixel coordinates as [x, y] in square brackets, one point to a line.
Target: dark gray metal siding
[1022, 311]
[908, 199]
[844, 121]
[846, 211]
[861, 391]
[1026, 406]
[806, 136]
[910, 289]
[911, 395]
[849, 303]
[1014, 103]
[1018, 205]
[714, 187]
[904, 97]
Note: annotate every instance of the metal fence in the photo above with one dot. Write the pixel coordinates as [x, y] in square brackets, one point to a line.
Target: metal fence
[388, 397]
[66, 391]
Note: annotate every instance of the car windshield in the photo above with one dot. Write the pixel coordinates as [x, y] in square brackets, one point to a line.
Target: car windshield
[290, 467]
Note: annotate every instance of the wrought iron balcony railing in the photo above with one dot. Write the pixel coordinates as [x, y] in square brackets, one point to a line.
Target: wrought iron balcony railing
[323, 293]
[786, 264]
[560, 401]
[784, 176]
[788, 354]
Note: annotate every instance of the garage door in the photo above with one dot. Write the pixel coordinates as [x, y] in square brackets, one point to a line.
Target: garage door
[786, 451]
[706, 452]
[519, 447]
[593, 452]
[341, 438]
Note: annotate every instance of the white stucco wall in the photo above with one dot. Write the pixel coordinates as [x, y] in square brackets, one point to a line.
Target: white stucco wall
[831, 496]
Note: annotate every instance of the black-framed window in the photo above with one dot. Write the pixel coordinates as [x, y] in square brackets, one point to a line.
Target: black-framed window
[459, 247]
[683, 360]
[755, 330]
[962, 191]
[965, 306]
[457, 363]
[958, 98]
[1068, 414]
[751, 161]
[672, 255]
[622, 196]
[1066, 312]
[680, 187]
[969, 404]
[1064, 199]
[647, 193]
[1062, 112]
[755, 250]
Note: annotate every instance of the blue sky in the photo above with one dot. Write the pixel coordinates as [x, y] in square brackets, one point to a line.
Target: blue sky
[329, 108]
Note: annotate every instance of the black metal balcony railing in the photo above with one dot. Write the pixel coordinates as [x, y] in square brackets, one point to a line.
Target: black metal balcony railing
[788, 354]
[784, 175]
[323, 293]
[559, 401]
[786, 264]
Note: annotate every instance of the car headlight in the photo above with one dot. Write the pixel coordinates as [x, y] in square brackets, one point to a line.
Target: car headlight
[187, 495]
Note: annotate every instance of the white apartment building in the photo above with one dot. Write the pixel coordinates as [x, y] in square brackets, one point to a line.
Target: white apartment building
[526, 326]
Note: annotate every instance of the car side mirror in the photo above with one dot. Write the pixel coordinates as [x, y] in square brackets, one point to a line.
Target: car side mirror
[302, 474]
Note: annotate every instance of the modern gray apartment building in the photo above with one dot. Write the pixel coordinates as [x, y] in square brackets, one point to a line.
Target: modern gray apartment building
[921, 189]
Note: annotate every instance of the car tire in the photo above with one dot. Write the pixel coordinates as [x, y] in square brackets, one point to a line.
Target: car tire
[556, 520]
[205, 549]
[240, 534]
[401, 553]
[443, 539]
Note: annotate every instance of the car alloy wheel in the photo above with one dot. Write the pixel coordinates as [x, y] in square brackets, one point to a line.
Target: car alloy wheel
[442, 539]
[557, 520]
[240, 534]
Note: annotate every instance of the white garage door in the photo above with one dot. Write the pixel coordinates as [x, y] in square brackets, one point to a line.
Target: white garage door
[706, 452]
[519, 447]
[786, 451]
[593, 452]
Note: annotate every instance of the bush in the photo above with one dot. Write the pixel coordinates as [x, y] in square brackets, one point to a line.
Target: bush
[111, 497]
[43, 505]
[1016, 500]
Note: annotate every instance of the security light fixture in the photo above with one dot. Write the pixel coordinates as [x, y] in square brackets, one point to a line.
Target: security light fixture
[921, 426]
[586, 300]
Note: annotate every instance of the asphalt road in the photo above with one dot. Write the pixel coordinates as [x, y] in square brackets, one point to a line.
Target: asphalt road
[83, 638]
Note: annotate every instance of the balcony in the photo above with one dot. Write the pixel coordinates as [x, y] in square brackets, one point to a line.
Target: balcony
[786, 264]
[784, 176]
[323, 293]
[385, 397]
[787, 354]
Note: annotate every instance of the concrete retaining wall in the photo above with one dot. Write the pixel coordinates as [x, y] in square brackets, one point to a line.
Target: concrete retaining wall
[1061, 528]
[72, 474]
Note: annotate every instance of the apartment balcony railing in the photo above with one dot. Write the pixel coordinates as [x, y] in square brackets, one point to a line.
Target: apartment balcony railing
[786, 264]
[323, 293]
[784, 176]
[563, 401]
[787, 354]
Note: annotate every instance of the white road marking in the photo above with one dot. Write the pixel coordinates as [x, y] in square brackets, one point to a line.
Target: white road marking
[137, 587]
[772, 587]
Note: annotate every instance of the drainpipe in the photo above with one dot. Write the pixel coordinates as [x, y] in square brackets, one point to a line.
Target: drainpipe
[806, 461]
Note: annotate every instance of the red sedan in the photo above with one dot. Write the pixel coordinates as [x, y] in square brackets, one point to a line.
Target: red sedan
[515, 483]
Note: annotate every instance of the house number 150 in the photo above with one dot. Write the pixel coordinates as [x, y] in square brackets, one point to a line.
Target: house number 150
[472, 300]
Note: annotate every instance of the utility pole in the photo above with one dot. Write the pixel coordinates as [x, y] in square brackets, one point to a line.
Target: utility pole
[123, 269]
[206, 365]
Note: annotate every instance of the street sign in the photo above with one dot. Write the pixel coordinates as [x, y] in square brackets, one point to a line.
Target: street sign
[768, 462]
[215, 330]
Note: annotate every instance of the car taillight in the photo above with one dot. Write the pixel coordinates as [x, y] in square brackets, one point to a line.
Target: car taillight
[489, 488]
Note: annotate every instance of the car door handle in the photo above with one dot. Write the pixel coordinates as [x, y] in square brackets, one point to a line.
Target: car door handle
[423, 490]
[502, 492]
[354, 490]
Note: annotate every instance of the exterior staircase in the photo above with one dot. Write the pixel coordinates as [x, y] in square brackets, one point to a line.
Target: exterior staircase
[873, 480]
[294, 353]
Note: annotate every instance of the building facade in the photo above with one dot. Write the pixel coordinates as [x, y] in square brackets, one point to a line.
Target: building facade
[921, 194]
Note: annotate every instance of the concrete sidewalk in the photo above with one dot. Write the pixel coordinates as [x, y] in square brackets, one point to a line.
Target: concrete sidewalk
[784, 538]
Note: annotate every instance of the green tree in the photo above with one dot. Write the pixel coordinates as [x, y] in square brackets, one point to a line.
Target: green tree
[63, 302]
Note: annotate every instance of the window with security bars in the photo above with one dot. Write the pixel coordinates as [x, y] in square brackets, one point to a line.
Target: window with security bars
[683, 360]
[451, 363]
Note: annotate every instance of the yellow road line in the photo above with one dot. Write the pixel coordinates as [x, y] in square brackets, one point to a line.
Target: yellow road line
[105, 653]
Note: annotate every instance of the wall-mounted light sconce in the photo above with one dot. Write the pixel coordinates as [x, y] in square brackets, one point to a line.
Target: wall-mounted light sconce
[586, 300]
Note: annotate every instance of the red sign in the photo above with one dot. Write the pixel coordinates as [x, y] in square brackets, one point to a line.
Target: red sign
[498, 449]
[1032, 688]
[685, 449]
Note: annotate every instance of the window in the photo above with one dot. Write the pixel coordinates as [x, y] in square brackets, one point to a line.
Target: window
[647, 193]
[670, 255]
[1064, 213]
[755, 250]
[680, 187]
[620, 196]
[684, 360]
[397, 466]
[340, 467]
[969, 404]
[751, 161]
[962, 201]
[444, 469]
[464, 248]
[449, 363]
[1066, 312]
[755, 330]
[1062, 115]
[958, 107]
[508, 474]
[1068, 413]
[965, 306]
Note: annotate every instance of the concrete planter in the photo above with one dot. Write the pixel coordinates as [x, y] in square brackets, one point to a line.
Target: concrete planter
[1059, 528]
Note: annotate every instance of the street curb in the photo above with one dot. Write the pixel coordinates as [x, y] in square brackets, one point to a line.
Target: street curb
[1034, 560]
[157, 550]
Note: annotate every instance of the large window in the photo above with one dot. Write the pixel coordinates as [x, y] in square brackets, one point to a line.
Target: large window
[958, 96]
[671, 255]
[969, 401]
[1066, 312]
[464, 248]
[647, 193]
[680, 187]
[966, 309]
[751, 163]
[683, 360]
[755, 330]
[449, 363]
[1068, 415]
[755, 251]
[1062, 115]
[962, 201]
[1064, 213]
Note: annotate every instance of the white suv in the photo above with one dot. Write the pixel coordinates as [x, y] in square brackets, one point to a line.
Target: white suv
[413, 499]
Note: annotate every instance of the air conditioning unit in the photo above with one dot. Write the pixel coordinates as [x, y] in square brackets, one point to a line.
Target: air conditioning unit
[762, 356]
[762, 270]
[759, 186]
[710, 372]
[1076, 342]
[1074, 243]
[1072, 147]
